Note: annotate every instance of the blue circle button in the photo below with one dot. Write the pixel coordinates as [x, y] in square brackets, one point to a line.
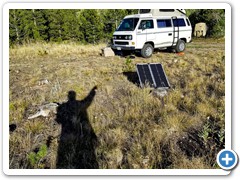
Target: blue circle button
[227, 159]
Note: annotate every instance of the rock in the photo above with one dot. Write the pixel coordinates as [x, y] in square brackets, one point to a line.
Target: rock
[43, 81]
[107, 52]
[159, 92]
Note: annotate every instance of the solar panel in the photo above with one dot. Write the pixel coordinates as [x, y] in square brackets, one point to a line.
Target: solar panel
[159, 75]
[153, 74]
[144, 74]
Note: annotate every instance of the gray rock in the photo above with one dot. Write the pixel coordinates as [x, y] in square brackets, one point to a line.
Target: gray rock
[43, 81]
[107, 52]
[159, 92]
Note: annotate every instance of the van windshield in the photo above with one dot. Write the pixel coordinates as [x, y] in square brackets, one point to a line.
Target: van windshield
[128, 24]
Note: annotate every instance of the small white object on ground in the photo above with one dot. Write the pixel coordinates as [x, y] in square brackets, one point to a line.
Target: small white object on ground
[44, 110]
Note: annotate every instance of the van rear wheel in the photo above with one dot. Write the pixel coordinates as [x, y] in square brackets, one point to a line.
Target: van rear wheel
[147, 51]
[180, 47]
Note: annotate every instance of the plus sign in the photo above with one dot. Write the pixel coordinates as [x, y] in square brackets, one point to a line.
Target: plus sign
[227, 159]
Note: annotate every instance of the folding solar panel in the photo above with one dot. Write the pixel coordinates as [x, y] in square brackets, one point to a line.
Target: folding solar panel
[144, 75]
[152, 74]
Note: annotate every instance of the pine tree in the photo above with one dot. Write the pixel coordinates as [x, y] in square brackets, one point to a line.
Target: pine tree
[91, 25]
[16, 28]
[27, 25]
[71, 26]
[40, 25]
[55, 24]
[14, 31]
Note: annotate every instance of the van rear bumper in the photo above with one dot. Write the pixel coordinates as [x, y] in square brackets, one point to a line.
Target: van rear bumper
[130, 48]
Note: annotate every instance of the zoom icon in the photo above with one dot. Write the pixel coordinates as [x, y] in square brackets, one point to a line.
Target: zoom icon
[227, 159]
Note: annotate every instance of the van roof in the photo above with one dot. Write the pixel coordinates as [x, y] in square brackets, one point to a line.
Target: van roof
[150, 16]
[163, 12]
[139, 16]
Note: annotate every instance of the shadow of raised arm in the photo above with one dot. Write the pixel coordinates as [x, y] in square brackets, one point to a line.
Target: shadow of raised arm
[86, 102]
[76, 149]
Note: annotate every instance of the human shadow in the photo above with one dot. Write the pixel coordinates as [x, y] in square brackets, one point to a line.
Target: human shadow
[78, 140]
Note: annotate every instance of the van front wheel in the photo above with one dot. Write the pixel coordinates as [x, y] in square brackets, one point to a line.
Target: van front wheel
[180, 47]
[147, 51]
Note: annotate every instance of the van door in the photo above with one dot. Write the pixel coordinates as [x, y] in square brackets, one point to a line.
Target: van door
[164, 33]
[145, 33]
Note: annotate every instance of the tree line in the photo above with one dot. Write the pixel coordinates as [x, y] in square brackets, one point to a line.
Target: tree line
[87, 25]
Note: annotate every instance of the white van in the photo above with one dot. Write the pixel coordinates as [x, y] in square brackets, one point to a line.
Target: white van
[151, 29]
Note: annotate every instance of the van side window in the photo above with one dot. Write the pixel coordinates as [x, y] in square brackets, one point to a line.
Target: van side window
[146, 24]
[179, 22]
[162, 23]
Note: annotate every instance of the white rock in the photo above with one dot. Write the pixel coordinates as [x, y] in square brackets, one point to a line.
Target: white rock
[43, 81]
[159, 92]
[107, 52]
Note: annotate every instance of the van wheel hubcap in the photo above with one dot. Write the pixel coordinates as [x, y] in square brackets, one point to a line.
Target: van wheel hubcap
[148, 51]
[181, 46]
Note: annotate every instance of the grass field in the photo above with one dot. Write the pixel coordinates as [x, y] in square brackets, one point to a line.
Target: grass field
[127, 126]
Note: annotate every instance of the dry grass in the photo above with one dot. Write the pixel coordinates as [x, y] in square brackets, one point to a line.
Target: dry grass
[135, 129]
